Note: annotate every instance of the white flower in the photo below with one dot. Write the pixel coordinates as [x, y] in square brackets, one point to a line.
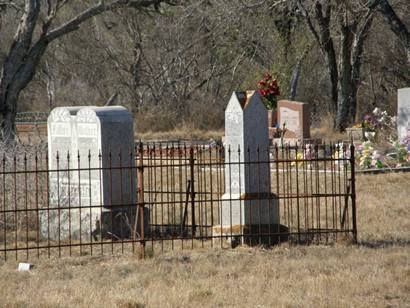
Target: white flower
[376, 155]
[376, 111]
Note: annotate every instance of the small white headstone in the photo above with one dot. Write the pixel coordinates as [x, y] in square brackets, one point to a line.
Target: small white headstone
[24, 267]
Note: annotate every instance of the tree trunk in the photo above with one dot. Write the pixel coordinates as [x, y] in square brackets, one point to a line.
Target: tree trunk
[23, 57]
[343, 117]
[327, 45]
[324, 40]
[351, 58]
[18, 82]
[296, 75]
[13, 73]
[396, 25]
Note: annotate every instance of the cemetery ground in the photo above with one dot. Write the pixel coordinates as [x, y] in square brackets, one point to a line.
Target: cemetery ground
[373, 273]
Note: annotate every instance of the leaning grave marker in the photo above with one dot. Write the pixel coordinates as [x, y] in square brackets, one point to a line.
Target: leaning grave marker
[403, 113]
[92, 175]
[248, 206]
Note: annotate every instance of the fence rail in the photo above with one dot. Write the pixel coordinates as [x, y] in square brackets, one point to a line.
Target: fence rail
[160, 198]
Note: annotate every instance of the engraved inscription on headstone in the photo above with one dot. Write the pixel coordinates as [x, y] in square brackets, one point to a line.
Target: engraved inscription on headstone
[290, 118]
[92, 182]
[296, 116]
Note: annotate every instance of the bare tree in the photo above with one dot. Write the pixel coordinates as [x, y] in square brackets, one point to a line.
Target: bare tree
[353, 21]
[35, 31]
[396, 25]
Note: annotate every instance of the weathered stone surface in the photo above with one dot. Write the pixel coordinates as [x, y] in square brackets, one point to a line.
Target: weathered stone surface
[296, 117]
[403, 113]
[91, 160]
[247, 200]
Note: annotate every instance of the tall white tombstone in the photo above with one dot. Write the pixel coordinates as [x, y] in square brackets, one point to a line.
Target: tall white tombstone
[403, 113]
[248, 206]
[92, 181]
[55, 223]
[61, 126]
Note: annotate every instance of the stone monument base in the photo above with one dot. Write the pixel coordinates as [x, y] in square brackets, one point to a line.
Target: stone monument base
[251, 235]
[76, 224]
[69, 224]
[249, 209]
[249, 218]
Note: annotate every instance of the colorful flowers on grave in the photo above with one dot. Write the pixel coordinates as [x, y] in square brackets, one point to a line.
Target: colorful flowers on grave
[341, 154]
[306, 153]
[372, 154]
[299, 156]
[309, 152]
[365, 155]
[377, 120]
[268, 89]
[402, 151]
[376, 160]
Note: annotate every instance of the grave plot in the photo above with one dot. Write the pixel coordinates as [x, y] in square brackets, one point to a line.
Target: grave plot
[184, 197]
[103, 199]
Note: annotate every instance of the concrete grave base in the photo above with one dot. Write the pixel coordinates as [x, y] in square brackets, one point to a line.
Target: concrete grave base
[96, 223]
[65, 224]
[251, 235]
[250, 208]
[123, 223]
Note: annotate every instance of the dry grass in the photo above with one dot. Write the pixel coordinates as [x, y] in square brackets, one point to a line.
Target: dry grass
[324, 130]
[374, 273]
[185, 132]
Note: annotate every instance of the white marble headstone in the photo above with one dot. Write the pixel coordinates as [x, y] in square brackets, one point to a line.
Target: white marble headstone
[247, 200]
[403, 113]
[91, 163]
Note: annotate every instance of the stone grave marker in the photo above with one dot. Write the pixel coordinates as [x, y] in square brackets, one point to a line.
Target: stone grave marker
[61, 127]
[98, 175]
[403, 113]
[247, 204]
[296, 117]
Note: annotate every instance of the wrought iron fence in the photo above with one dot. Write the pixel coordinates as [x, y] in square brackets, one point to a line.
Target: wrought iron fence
[168, 197]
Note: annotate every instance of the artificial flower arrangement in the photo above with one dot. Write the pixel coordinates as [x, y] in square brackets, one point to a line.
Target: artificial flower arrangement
[369, 154]
[268, 89]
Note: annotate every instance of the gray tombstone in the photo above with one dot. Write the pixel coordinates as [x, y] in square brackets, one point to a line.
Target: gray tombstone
[403, 113]
[92, 181]
[248, 206]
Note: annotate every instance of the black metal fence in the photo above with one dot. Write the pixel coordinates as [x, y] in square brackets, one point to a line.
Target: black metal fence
[175, 197]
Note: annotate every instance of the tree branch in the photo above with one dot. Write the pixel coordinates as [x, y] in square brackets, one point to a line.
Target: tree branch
[5, 4]
[309, 23]
[99, 8]
[360, 37]
[21, 44]
[396, 25]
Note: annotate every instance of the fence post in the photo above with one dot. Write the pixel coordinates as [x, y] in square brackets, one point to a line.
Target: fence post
[192, 192]
[353, 189]
[140, 213]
